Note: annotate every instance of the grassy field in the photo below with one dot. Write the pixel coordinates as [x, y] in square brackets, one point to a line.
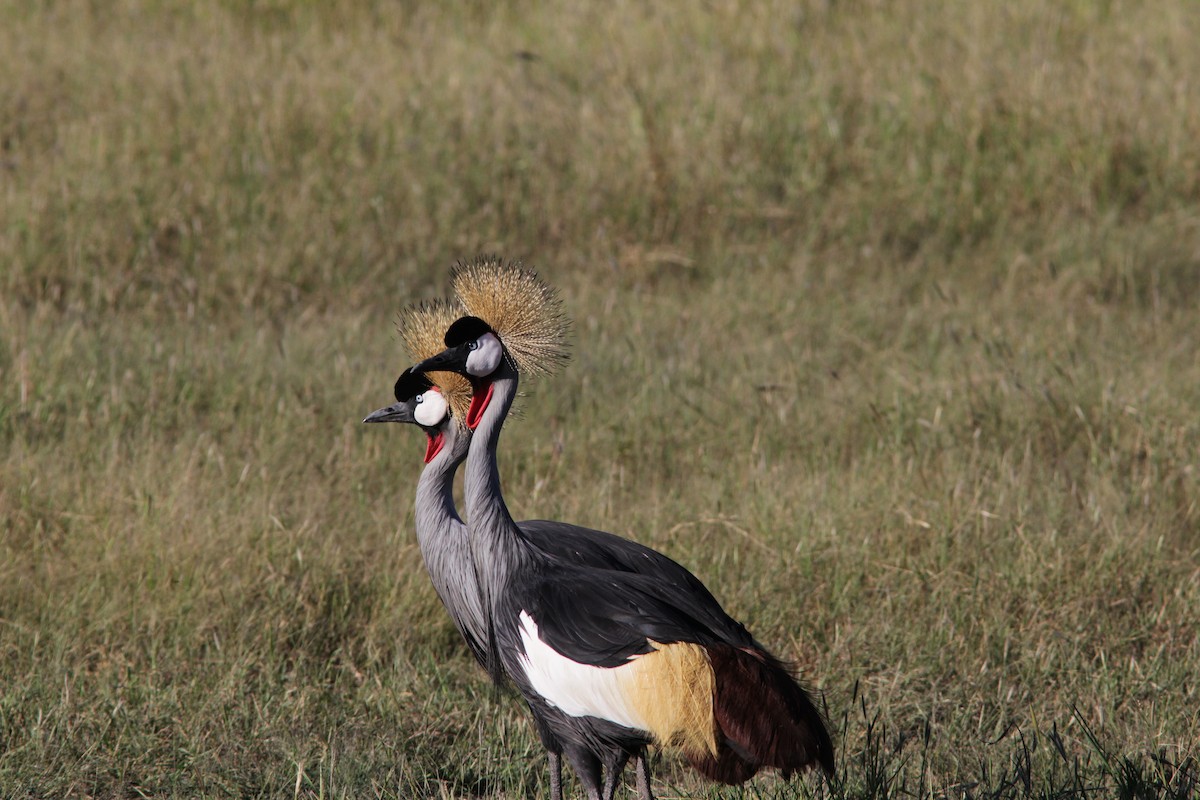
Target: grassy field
[885, 325]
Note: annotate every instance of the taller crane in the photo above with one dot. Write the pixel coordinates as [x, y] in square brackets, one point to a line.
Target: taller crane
[626, 659]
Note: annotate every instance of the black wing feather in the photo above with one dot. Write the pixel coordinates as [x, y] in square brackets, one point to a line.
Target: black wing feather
[603, 617]
[573, 546]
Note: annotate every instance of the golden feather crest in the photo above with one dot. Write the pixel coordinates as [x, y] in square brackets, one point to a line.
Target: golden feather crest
[524, 311]
[422, 327]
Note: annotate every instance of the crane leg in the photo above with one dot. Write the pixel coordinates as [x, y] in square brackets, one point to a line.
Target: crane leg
[642, 766]
[555, 760]
[614, 764]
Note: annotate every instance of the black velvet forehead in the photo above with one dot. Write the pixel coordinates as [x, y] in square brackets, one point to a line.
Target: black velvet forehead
[410, 384]
[466, 329]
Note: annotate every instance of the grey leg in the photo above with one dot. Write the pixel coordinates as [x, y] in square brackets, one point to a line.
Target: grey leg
[555, 775]
[614, 764]
[642, 766]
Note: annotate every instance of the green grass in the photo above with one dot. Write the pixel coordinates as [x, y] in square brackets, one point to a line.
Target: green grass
[884, 325]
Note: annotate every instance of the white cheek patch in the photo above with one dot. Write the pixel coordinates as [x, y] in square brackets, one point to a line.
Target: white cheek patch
[431, 410]
[483, 360]
[579, 690]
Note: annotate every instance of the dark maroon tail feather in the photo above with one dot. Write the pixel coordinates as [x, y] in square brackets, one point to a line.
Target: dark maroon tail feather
[767, 718]
[726, 767]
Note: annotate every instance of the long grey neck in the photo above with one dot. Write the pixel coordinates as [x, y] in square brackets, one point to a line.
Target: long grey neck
[499, 547]
[446, 546]
[436, 515]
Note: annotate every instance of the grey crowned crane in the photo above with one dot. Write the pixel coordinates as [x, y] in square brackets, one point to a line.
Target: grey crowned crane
[625, 659]
[440, 410]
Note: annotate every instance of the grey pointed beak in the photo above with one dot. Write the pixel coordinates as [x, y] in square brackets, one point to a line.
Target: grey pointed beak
[452, 359]
[397, 412]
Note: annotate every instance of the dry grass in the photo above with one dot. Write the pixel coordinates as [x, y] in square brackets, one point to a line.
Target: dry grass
[885, 325]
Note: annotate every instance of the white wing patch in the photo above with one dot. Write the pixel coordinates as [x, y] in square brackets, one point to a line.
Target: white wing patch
[579, 690]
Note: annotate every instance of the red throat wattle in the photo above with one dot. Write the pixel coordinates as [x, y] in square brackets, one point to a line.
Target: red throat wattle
[479, 403]
[434, 445]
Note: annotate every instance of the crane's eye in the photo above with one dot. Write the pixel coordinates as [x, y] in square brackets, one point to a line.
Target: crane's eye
[431, 408]
[484, 355]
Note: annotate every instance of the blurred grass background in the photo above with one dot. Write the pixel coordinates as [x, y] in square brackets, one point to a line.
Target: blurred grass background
[885, 326]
